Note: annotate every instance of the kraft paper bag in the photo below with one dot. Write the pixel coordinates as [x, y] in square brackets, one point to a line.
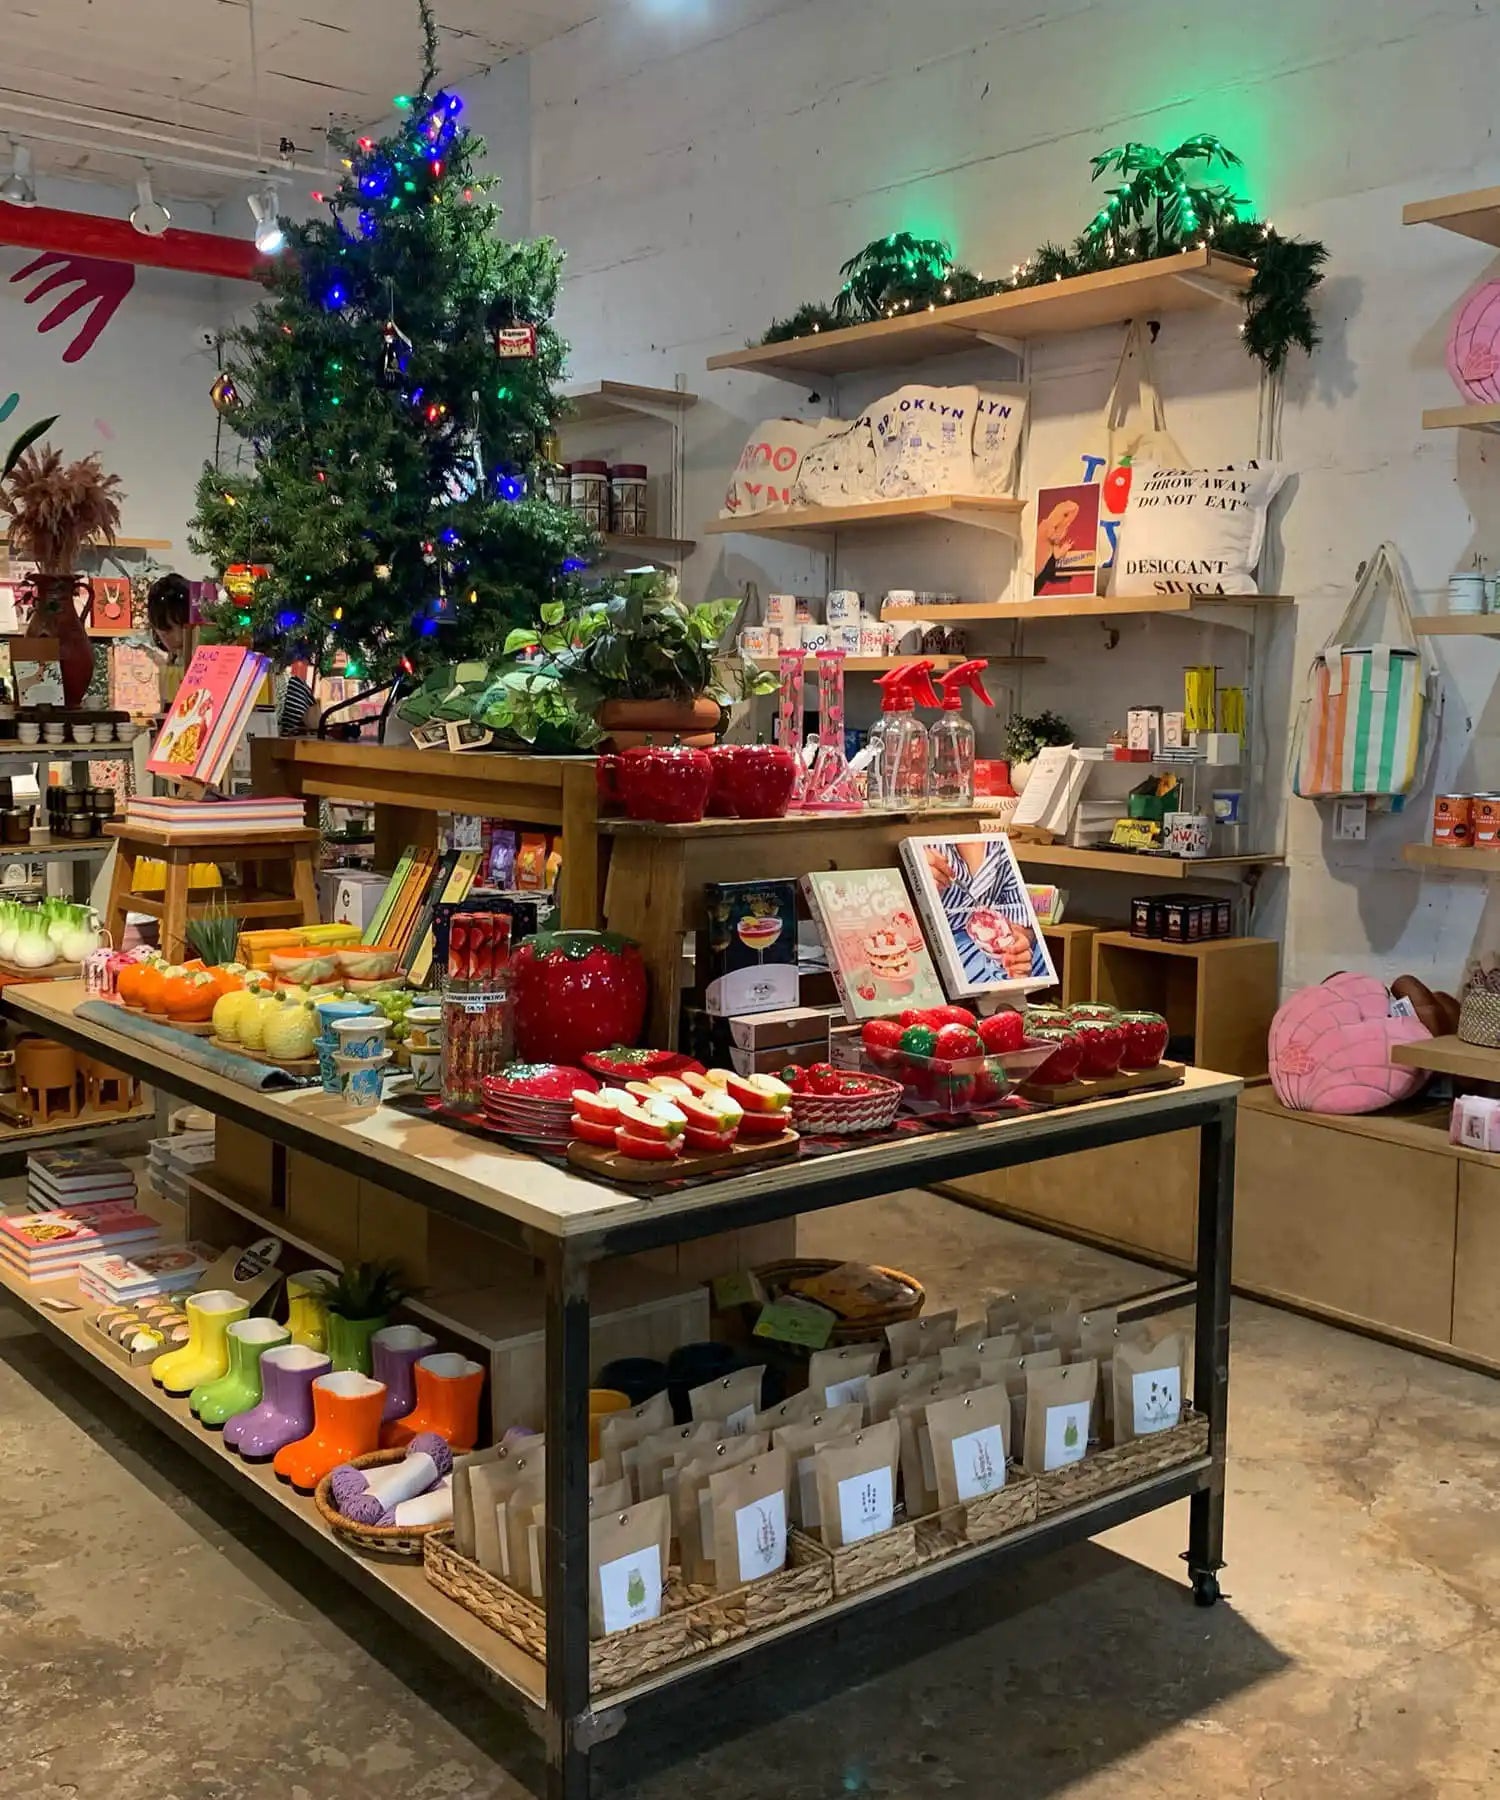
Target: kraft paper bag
[791, 1411]
[912, 1340]
[463, 1496]
[886, 1392]
[491, 1485]
[1149, 1390]
[842, 1374]
[1013, 1373]
[732, 1401]
[969, 1444]
[514, 1518]
[613, 1496]
[649, 1460]
[628, 1566]
[969, 1358]
[619, 1431]
[1018, 1310]
[748, 1505]
[691, 1501]
[1059, 1415]
[918, 1472]
[857, 1485]
[1098, 1333]
[800, 1441]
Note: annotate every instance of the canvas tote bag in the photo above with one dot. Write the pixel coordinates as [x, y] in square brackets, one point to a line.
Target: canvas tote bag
[1124, 438]
[1372, 711]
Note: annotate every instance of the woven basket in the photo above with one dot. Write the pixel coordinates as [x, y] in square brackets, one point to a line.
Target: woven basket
[866, 1564]
[840, 1115]
[372, 1540]
[1122, 1466]
[1479, 1019]
[695, 1619]
[776, 1278]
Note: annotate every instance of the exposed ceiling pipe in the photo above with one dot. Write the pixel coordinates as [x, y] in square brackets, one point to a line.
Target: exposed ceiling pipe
[275, 172]
[251, 161]
[115, 240]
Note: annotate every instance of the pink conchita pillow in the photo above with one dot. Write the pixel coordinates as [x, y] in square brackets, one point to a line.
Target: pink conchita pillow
[1330, 1048]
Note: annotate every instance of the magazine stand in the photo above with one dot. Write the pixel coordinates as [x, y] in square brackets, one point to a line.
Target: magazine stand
[277, 872]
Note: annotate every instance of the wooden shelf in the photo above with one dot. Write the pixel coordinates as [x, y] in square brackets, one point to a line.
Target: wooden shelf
[593, 400]
[60, 850]
[1193, 281]
[869, 665]
[1472, 215]
[989, 512]
[85, 1125]
[1148, 867]
[1462, 418]
[1449, 1056]
[615, 544]
[1458, 625]
[1462, 860]
[1206, 947]
[1019, 611]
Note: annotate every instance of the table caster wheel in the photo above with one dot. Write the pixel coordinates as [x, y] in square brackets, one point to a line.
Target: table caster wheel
[1205, 1588]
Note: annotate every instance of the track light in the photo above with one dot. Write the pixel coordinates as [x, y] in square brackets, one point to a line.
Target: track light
[148, 215]
[269, 237]
[18, 189]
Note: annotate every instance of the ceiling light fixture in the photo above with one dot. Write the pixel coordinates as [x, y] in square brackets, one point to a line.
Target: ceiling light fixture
[18, 189]
[269, 237]
[148, 215]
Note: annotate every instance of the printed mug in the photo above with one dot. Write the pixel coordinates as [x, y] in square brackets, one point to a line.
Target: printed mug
[759, 640]
[848, 637]
[781, 609]
[1188, 834]
[875, 638]
[841, 607]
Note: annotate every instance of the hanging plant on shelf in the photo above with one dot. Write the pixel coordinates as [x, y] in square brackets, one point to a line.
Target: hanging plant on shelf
[1163, 204]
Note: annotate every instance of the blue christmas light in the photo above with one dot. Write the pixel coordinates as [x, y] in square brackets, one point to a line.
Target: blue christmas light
[573, 565]
[426, 627]
[450, 536]
[288, 621]
[335, 297]
[511, 487]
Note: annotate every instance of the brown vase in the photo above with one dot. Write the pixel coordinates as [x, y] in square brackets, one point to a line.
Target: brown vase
[54, 614]
[629, 723]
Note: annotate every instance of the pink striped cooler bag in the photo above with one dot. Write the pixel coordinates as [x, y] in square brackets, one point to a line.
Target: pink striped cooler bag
[1372, 711]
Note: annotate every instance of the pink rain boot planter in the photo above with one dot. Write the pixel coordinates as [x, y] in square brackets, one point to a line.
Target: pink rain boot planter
[285, 1412]
[394, 1353]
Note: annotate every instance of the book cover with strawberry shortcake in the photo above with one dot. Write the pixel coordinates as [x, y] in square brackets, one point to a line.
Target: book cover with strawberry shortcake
[874, 941]
[980, 919]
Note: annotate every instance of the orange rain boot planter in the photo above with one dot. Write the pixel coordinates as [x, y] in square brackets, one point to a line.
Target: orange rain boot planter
[449, 1388]
[346, 1424]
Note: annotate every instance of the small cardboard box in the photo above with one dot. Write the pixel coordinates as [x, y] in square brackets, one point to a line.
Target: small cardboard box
[350, 896]
[770, 1030]
[773, 1061]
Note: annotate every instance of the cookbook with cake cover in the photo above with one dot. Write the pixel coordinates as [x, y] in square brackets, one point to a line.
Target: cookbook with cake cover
[875, 945]
[213, 706]
[979, 916]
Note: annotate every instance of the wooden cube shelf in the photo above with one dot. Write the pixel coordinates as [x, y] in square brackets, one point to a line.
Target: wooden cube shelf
[1221, 993]
[1072, 947]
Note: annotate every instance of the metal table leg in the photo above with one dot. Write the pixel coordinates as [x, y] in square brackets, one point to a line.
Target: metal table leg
[567, 1485]
[1205, 1553]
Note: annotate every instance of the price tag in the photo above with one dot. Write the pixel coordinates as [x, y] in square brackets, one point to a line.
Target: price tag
[796, 1322]
[739, 1289]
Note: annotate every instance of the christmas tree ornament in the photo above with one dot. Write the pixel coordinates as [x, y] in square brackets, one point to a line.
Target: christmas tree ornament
[224, 394]
[515, 343]
[395, 354]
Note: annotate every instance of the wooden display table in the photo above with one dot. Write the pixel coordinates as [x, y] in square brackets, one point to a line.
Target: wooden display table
[261, 856]
[573, 1225]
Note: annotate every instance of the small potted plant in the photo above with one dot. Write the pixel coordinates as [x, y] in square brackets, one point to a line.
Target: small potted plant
[360, 1303]
[1025, 735]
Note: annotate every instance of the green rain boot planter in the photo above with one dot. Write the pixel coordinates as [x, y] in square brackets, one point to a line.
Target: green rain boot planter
[239, 1390]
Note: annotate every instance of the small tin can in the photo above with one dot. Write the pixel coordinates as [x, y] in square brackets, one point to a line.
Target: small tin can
[1453, 820]
[1485, 821]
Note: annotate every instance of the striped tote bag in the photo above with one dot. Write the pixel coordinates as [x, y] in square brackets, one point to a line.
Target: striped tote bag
[1371, 711]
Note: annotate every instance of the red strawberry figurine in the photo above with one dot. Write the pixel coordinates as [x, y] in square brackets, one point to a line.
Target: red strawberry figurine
[576, 991]
[918, 1039]
[955, 1043]
[881, 1039]
[823, 1078]
[1002, 1031]
[795, 1076]
[948, 1015]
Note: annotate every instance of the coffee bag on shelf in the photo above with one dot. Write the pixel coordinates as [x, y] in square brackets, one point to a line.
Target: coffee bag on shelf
[749, 1514]
[628, 1566]
[1059, 1414]
[968, 1434]
[857, 1485]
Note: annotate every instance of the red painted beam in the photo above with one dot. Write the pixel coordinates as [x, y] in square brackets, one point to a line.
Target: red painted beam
[117, 240]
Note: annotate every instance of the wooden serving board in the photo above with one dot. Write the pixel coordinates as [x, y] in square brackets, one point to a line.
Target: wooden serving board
[58, 971]
[297, 1065]
[594, 1159]
[1106, 1087]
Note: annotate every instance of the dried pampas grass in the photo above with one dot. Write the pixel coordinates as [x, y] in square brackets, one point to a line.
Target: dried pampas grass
[56, 508]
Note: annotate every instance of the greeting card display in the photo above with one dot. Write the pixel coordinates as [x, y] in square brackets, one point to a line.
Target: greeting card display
[979, 915]
[875, 945]
[110, 595]
[213, 706]
[751, 946]
[1067, 559]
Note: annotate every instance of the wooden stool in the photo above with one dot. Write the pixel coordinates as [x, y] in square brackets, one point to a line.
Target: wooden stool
[261, 858]
[107, 1089]
[45, 1070]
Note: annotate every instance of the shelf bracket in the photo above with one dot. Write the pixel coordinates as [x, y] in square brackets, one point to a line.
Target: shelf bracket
[1214, 289]
[1015, 347]
[1008, 524]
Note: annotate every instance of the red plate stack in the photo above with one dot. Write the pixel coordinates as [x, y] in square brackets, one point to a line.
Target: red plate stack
[534, 1101]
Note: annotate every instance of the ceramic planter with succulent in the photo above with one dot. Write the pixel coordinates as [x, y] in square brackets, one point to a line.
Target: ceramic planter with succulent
[55, 509]
[360, 1303]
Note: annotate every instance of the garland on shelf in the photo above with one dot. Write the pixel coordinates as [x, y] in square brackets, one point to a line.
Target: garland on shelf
[1161, 205]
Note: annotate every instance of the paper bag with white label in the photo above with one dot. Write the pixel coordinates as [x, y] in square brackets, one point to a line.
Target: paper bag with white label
[913, 1339]
[968, 1438]
[1059, 1411]
[969, 1358]
[1148, 1387]
[1098, 1333]
[627, 1566]
[857, 1485]
[841, 1374]
[789, 1412]
[687, 1491]
[886, 1392]
[649, 1460]
[620, 1431]
[1013, 1371]
[732, 1401]
[800, 1441]
[748, 1504]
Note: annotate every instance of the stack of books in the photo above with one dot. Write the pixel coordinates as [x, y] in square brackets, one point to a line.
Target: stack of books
[170, 1160]
[213, 705]
[50, 1246]
[116, 1280]
[187, 818]
[62, 1178]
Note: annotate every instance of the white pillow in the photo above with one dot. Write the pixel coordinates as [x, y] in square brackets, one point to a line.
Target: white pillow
[766, 474]
[924, 440]
[1195, 531]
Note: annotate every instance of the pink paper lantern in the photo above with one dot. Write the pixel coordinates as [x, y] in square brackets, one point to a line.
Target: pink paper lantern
[1474, 345]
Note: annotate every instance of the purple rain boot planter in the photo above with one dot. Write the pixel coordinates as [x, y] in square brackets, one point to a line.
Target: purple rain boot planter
[395, 1351]
[285, 1412]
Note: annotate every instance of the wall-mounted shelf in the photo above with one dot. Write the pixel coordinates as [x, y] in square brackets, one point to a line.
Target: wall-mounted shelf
[1145, 867]
[58, 850]
[1472, 215]
[1457, 625]
[1460, 858]
[1193, 281]
[616, 544]
[593, 400]
[1449, 1056]
[1019, 611]
[988, 512]
[1461, 418]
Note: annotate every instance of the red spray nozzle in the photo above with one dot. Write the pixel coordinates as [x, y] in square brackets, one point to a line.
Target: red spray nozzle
[966, 675]
[907, 687]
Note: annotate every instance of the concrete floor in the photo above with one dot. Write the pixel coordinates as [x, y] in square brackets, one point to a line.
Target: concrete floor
[159, 1641]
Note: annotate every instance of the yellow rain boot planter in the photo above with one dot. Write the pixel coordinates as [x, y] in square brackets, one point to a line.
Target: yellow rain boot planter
[205, 1356]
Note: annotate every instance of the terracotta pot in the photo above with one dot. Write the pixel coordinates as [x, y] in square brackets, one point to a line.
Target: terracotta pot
[632, 722]
[54, 614]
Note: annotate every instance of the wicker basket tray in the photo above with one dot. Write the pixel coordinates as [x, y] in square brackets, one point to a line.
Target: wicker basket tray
[866, 1564]
[1123, 1465]
[958, 1527]
[405, 1541]
[776, 1278]
[1479, 1019]
[844, 1114]
[695, 1619]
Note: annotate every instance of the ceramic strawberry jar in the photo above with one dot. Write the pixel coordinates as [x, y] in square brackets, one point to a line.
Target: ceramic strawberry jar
[1145, 1035]
[668, 783]
[576, 991]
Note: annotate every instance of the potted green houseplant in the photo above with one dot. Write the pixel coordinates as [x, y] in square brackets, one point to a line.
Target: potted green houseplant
[360, 1303]
[1025, 735]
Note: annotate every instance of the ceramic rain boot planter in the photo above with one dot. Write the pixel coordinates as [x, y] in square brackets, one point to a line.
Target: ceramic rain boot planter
[394, 1354]
[449, 1388]
[236, 1392]
[346, 1424]
[285, 1412]
[205, 1356]
[307, 1307]
[349, 1342]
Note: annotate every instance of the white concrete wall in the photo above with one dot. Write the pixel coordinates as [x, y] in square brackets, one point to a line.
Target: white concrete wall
[708, 165]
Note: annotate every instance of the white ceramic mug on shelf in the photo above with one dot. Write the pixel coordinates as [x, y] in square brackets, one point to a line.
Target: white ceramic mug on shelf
[1187, 834]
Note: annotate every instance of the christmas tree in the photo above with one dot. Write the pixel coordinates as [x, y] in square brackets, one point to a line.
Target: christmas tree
[393, 396]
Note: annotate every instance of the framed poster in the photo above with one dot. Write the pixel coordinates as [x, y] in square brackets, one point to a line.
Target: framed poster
[111, 604]
[1067, 542]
